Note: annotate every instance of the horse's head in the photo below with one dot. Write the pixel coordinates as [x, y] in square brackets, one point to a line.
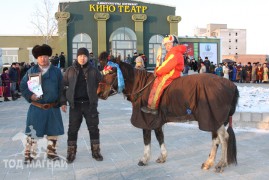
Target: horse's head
[108, 86]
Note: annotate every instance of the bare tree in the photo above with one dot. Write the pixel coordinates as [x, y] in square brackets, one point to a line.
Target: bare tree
[44, 21]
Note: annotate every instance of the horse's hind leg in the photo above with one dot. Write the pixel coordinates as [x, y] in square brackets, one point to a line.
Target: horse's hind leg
[211, 159]
[223, 137]
[160, 137]
[147, 139]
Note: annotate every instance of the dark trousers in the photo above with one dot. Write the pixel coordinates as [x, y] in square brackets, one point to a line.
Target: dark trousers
[76, 115]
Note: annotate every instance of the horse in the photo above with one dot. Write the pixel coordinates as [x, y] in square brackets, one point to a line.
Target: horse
[206, 98]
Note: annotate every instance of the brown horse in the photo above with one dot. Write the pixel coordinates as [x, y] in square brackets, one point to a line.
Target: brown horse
[206, 98]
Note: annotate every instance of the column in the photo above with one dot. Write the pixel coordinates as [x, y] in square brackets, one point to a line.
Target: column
[101, 19]
[174, 20]
[139, 30]
[62, 18]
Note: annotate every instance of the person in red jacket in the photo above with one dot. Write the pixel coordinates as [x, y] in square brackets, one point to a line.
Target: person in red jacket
[165, 73]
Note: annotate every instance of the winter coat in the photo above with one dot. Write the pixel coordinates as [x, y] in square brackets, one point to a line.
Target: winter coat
[6, 84]
[93, 77]
[44, 122]
[173, 63]
[13, 75]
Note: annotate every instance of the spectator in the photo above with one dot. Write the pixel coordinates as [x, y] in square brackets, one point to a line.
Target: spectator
[62, 60]
[44, 115]
[92, 60]
[203, 68]
[80, 84]
[6, 84]
[133, 59]
[207, 65]
[265, 73]
[13, 76]
[139, 62]
[200, 60]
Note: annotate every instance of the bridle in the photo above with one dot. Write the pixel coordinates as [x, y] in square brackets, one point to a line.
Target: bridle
[110, 91]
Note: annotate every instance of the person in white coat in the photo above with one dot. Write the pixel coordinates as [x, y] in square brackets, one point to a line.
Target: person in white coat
[226, 71]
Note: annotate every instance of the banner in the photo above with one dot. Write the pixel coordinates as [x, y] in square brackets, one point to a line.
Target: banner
[209, 50]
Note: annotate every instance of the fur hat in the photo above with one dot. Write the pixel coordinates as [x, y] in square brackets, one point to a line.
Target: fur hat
[83, 51]
[170, 38]
[41, 50]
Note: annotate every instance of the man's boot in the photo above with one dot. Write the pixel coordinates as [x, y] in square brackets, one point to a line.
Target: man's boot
[71, 151]
[6, 99]
[34, 149]
[51, 150]
[27, 151]
[96, 152]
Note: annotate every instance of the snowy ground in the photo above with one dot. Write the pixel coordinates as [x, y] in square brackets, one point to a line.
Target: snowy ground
[253, 99]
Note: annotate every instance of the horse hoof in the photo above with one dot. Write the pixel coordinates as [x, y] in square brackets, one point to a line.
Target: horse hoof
[219, 169]
[160, 160]
[204, 167]
[140, 163]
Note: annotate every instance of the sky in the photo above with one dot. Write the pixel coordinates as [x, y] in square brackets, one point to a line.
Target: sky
[237, 14]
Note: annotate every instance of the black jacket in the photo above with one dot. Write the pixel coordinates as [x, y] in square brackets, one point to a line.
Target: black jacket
[69, 84]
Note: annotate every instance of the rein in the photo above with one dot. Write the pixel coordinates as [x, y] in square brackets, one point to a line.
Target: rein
[138, 93]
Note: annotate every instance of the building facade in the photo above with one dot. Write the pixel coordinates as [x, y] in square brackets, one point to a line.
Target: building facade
[233, 41]
[121, 28]
[118, 27]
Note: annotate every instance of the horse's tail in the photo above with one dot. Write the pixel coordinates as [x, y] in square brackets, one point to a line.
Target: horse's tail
[234, 102]
[231, 150]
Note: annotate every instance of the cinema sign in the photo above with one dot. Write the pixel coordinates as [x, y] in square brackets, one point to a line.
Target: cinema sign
[108, 7]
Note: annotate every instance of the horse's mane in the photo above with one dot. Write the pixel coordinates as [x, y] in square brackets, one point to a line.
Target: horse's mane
[135, 79]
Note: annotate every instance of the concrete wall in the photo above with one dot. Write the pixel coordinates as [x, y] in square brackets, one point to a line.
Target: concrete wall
[251, 120]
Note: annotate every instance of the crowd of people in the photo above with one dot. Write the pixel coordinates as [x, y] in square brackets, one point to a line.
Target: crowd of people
[11, 76]
[242, 73]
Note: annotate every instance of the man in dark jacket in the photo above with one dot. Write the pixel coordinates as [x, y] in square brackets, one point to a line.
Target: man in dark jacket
[80, 85]
[62, 60]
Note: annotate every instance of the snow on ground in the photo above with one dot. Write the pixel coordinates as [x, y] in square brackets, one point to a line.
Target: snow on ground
[253, 99]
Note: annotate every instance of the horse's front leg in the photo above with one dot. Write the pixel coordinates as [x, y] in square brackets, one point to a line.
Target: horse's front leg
[160, 137]
[147, 139]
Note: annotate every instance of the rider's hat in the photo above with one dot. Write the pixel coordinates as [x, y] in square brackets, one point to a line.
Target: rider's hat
[170, 38]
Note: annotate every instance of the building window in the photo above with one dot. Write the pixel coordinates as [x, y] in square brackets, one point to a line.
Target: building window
[229, 40]
[236, 47]
[154, 43]
[229, 47]
[229, 34]
[30, 56]
[123, 42]
[236, 40]
[236, 34]
[9, 55]
[81, 40]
